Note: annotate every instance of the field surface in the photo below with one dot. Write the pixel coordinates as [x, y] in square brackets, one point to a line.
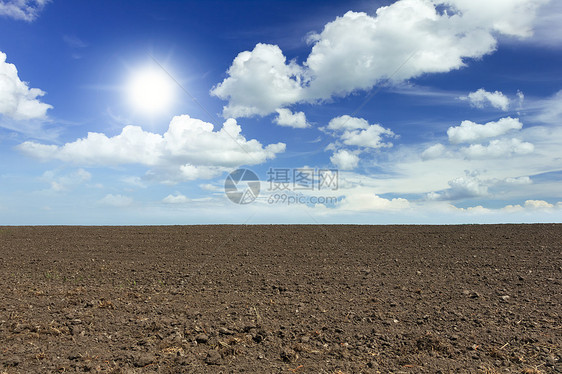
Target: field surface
[281, 299]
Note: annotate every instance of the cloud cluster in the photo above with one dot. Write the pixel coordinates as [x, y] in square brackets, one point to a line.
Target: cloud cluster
[289, 119]
[475, 135]
[190, 149]
[404, 40]
[472, 186]
[345, 160]
[17, 100]
[498, 148]
[470, 132]
[176, 199]
[481, 98]
[25, 10]
[354, 132]
[260, 82]
[363, 200]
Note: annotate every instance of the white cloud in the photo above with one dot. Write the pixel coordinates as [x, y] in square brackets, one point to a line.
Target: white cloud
[538, 204]
[532, 205]
[211, 187]
[548, 29]
[118, 201]
[190, 172]
[433, 152]
[498, 148]
[481, 98]
[360, 199]
[25, 10]
[550, 109]
[518, 181]
[176, 199]
[287, 118]
[354, 131]
[356, 51]
[66, 182]
[259, 82]
[345, 160]
[470, 132]
[134, 181]
[17, 100]
[188, 150]
[472, 186]
[346, 122]
[521, 99]
[461, 188]
[368, 138]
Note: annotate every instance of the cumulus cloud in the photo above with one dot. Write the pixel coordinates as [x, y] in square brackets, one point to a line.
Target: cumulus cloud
[481, 98]
[259, 82]
[118, 201]
[363, 200]
[498, 148]
[176, 199]
[354, 132]
[346, 122]
[356, 51]
[433, 152]
[189, 149]
[345, 160]
[476, 135]
[538, 204]
[25, 10]
[358, 132]
[461, 188]
[531, 205]
[289, 119]
[17, 100]
[470, 132]
[369, 138]
[473, 186]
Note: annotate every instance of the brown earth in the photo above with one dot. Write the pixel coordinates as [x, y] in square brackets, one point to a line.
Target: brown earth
[281, 299]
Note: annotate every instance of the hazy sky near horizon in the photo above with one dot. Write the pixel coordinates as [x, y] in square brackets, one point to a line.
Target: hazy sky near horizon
[431, 111]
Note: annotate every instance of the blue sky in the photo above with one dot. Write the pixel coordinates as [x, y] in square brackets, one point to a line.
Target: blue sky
[424, 111]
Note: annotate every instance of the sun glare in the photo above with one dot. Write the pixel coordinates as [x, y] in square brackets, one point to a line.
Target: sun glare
[151, 90]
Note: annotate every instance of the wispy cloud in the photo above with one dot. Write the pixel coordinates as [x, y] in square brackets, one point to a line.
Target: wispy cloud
[25, 10]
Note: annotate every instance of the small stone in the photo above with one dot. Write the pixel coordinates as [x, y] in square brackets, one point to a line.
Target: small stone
[225, 331]
[505, 298]
[143, 359]
[288, 355]
[202, 338]
[213, 358]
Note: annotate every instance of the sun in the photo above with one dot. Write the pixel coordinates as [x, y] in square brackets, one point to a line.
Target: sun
[151, 90]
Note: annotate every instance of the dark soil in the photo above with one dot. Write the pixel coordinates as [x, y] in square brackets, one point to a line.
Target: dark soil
[281, 299]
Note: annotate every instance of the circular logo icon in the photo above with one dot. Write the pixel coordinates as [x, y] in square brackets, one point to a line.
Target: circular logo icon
[242, 186]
